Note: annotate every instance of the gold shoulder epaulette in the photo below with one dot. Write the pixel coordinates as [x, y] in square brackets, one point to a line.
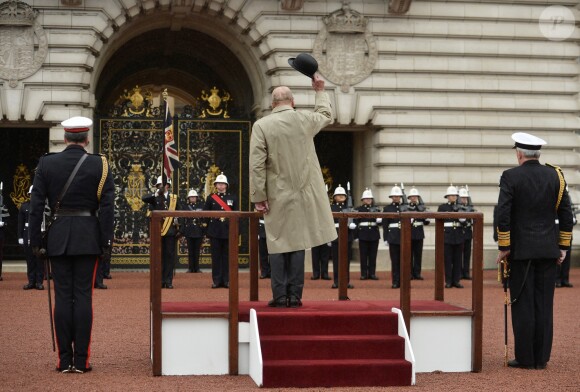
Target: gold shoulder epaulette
[562, 183]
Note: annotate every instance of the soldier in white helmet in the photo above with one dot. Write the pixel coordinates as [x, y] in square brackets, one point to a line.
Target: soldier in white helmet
[417, 233]
[465, 202]
[453, 240]
[339, 197]
[218, 231]
[369, 236]
[34, 265]
[193, 231]
[392, 234]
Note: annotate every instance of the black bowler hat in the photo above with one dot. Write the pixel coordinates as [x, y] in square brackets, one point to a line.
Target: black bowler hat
[305, 64]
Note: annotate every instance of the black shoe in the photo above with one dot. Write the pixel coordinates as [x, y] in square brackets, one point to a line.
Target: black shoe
[466, 277]
[226, 285]
[419, 277]
[374, 277]
[458, 285]
[100, 286]
[197, 271]
[350, 286]
[281, 302]
[448, 285]
[163, 285]
[108, 276]
[326, 277]
[215, 286]
[82, 370]
[189, 271]
[567, 284]
[65, 369]
[363, 278]
[314, 277]
[294, 302]
[168, 286]
[334, 286]
[263, 276]
[28, 286]
[558, 285]
[395, 286]
[1, 279]
[39, 286]
[515, 364]
[541, 366]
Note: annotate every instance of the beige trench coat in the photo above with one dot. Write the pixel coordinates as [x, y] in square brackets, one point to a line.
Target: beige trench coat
[284, 170]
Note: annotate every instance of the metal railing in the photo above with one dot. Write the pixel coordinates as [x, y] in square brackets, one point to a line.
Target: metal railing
[476, 311]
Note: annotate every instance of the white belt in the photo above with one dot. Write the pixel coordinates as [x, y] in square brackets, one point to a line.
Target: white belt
[394, 226]
[451, 224]
[26, 224]
[415, 224]
[367, 224]
[557, 221]
[336, 225]
[262, 221]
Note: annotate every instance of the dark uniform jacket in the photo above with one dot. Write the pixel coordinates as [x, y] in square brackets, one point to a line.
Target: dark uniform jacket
[367, 229]
[339, 207]
[392, 227]
[23, 216]
[219, 227]
[453, 228]
[528, 222]
[73, 235]
[468, 224]
[417, 232]
[162, 203]
[193, 227]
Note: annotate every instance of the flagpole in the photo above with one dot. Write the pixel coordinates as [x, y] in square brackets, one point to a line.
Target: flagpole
[163, 119]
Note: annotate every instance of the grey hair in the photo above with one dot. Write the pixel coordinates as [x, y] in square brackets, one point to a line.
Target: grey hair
[282, 94]
[79, 137]
[529, 153]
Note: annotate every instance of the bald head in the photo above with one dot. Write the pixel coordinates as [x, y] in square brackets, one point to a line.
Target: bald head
[282, 96]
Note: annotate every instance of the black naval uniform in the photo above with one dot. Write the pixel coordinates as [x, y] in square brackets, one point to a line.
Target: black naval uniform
[468, 238]
[193, 231]
[392, 234]
[534, 231]
[218, 233]
[417, 237]
[453, 240]
[75, 239]
[320, 256]
[168, 241]
[563, 276]
[34, 265]
[339, 207]
[369, 236]
[265, 269]
[4, 214]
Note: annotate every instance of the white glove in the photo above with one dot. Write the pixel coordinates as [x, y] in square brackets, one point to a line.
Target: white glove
[386, 243]
[352, 226]
[379, 220]
[461, 220]
[329, 244]
[412, 220]
[1, 224]
[21, 241]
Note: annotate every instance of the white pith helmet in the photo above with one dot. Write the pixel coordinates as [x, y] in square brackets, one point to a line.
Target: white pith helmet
[414, 192]
[221, 178]
[192, 193]
[451, 191]
[367, 194]
[463, 192]
[160, 181]
[30, 190]
[396, 191]
[339, 191]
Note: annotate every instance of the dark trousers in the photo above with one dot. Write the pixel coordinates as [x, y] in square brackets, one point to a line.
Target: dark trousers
[453, 257]
[563, 275]
[532, 313]
[264, 262]
[466, 258]
[167, 258]
[395, 253]
[335, 262]
[1, 254]
[34, 267]
[193, 248]
[220, 268]
[320, 256]
[73, 278]
[368, 257]
[416, 257]
[287, 274]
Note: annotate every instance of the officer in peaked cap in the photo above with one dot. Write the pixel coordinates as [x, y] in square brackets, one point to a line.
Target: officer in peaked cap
[392, 234]
[81, 230]
[34, 268]
[218, 231]
[193, 230]
[369, 236]
[534, 235]
[453, 240]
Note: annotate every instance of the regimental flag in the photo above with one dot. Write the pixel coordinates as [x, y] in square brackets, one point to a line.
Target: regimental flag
[170, 154]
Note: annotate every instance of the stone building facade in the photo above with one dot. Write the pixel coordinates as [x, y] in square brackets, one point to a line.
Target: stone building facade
[429, 92]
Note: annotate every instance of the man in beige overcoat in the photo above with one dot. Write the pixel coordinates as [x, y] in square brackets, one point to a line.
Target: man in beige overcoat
[286, 184]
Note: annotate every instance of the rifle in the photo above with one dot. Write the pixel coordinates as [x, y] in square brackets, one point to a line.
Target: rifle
[503, 273]
[349, 206]
[404, 202]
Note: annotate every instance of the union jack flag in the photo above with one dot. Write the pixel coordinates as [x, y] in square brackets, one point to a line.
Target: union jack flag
[170, 154]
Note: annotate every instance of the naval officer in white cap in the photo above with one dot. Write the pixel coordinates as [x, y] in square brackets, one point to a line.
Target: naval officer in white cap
[534, 233]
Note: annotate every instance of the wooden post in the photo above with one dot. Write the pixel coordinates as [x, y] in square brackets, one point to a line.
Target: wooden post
[155, 282]
[405, 271]
[477, 294]
[254, 258]
[233, 295]
[343, 259]
[439, 259]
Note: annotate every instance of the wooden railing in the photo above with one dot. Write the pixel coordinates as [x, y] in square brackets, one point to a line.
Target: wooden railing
[476, 311]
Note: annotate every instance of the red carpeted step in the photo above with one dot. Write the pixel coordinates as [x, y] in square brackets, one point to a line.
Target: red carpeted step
[327, 323]
[336, 373]
[332, 347]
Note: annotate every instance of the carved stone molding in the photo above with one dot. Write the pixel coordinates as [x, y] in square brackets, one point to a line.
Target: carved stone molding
[71, 3]
[399, 7]
[291, 5]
